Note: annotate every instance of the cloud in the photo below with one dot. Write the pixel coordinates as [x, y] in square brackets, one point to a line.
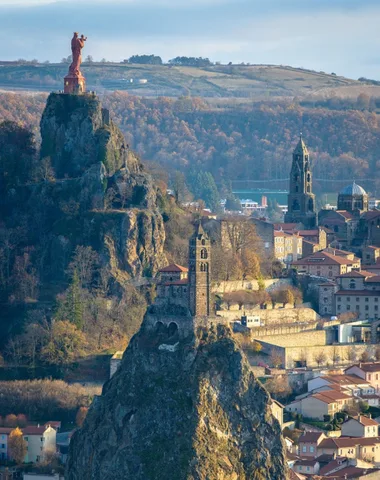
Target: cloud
[329, 35]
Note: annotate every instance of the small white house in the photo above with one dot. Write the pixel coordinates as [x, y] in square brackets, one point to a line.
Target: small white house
[41, 441]
[360, 427]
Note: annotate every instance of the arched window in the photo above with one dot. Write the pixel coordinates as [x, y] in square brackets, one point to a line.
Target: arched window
[204, 253]
[308, 189]
[203, 241]
[311, 205]
[352, 284]
[296, 205]
[203, 267]
[308, 177]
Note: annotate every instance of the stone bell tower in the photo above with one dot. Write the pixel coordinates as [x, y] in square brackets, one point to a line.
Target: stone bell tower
[199, 273]
[301, 200]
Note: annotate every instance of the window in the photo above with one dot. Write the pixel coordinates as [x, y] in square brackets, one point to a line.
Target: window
[366, 299]
[376, 299]
[304, 449]
[348, 307]
[376, 308]
[339, 299]
[357, 307]
[348, 299]
[357, 299]
[367, 307]
[204, 253]
[311, 449]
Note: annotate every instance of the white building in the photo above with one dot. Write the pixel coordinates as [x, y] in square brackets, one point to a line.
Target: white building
[41, 441]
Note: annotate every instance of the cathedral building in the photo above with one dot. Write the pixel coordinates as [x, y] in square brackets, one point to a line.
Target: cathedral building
[301, 200]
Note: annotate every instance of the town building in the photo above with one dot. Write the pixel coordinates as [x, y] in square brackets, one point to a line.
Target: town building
[41, 441]
[287, 246]
[329, 264]
[301, 200]
[309, 442]
[322, 404]
[370, 372]
[367, 449]
[358, 292]
[360, 427]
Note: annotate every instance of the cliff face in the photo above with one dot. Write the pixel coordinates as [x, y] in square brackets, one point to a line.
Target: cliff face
[180, 408]
[101, 196]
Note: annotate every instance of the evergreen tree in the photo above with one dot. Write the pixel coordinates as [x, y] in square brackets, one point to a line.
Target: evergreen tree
[70, 306]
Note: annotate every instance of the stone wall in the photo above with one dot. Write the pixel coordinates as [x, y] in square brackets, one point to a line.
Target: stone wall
[310, 338]
[236, 285]
[274, 317]
[282, 329]
[340, 352]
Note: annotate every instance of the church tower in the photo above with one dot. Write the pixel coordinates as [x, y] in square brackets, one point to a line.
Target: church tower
[301, 200]
[199, 273]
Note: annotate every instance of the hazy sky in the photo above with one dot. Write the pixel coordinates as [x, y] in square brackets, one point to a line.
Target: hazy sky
[330, 35]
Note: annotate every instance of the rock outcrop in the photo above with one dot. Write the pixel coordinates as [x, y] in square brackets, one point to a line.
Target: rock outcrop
[180, 408]
[101, 195]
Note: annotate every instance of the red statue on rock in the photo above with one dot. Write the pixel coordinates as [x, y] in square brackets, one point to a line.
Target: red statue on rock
[75, 81]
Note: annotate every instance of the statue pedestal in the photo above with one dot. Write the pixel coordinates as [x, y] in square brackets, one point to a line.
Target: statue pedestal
[75, 84]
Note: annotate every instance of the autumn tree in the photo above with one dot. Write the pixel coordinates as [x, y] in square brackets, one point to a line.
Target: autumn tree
[250, 264]
[10, 420]
[279, 387]
[17, 446]
[81, 416]
[365, 356]
[276, 358]
[66, 343]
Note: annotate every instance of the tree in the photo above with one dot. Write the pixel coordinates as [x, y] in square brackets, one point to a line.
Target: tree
[279, 387]
[351, 354]
[276, 358]
[45, 170]
[365, 356]
[377, 353]
[81, 416]
[250, 263]
[89, 59]
[70, 306]
[17, 446]
[320, 357]
[85, 263]
[233, 204]
[22, 421]
[239, 234]
[286, 296]
[66, 343]
[145, 59]
[10, 420]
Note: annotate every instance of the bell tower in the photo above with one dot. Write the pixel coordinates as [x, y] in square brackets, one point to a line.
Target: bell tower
[199, 273]
[301, 200]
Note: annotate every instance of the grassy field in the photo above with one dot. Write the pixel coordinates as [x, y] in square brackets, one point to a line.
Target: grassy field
[246, 82]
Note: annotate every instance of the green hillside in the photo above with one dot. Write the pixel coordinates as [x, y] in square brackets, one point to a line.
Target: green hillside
[217, 81]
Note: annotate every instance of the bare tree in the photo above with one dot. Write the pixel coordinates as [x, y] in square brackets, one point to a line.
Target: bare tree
[320, 357]
[275, 358]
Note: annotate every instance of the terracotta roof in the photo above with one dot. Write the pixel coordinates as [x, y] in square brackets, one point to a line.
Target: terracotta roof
[33, 430]
[5, 430]
[310, 437]
[306, 463]
[53, 423]
[331, 396]
[371, 214]
[372, 247]
[184, 281]
[345, 214]
[331, 466]
[366, 367]
[366, 421]
[347, 442]
[356, 274]
[345, 379]
[373, 279]
[174, 268]
[350, 472]
[285, 226]
[308, 233]
[324, 258]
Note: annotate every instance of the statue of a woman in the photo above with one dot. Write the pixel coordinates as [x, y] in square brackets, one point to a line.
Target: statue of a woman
[77, 44]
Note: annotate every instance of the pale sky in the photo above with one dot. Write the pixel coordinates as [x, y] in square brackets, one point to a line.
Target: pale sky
[339, 36]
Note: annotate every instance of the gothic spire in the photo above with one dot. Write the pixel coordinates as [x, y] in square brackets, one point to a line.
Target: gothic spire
[301, 148]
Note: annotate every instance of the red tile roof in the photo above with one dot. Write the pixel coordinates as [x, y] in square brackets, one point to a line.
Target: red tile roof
[330, 396]
[373, 279]
[366, 421]
[356, 274]
[174, 268]
[33, 430]
[5, 430]
[366, 367]
[345, 214]
[53, 423]
[308, 233]
[324, 258]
